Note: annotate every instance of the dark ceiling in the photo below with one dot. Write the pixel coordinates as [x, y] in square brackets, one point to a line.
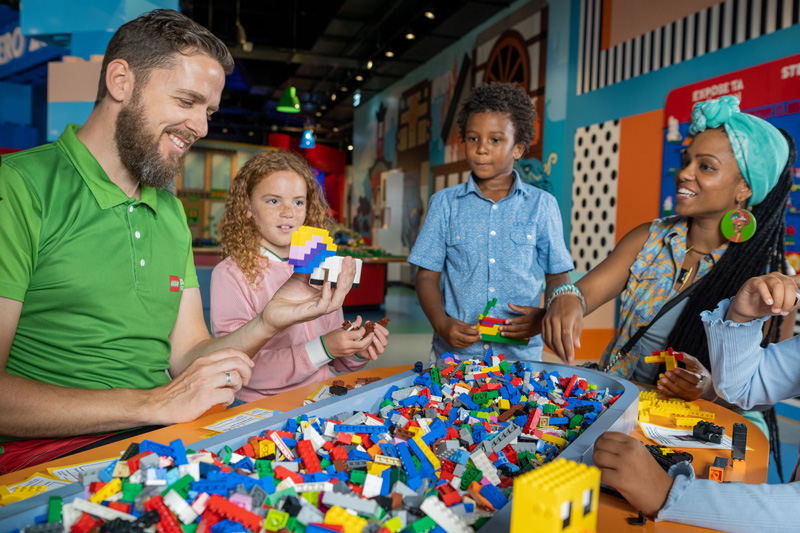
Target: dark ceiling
[321, 47]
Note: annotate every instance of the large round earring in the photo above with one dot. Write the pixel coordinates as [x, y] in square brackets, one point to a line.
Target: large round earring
[738, 225]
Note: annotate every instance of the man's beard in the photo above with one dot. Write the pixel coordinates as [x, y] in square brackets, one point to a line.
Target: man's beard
[140, 153]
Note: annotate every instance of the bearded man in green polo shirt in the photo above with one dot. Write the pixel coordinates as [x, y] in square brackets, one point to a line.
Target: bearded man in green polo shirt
[98, 292]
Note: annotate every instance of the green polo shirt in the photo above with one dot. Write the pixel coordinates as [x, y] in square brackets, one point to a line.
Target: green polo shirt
[100, 275]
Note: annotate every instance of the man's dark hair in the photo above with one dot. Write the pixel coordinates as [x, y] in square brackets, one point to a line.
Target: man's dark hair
[152, 40]
[507, 98]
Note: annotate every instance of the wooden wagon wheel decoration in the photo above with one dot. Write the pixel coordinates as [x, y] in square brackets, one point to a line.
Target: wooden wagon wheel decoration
[508, 62]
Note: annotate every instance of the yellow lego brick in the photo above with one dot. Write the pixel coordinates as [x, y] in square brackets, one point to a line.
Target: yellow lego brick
[542, 495]
[504, 404]
[356, 440]
[553, 439]
[686, 421]
[416, 430]
[487, 330]
[375, 468]
[428, 453]
[5, 495]
[265, 448]
[394, 525]
[644, 404]
[339, 517]
[649, 395]
[21, 493]
[644, 416]
[671, 363]
[109, 489]
[659, 411]
[653, 359]
[701, 414]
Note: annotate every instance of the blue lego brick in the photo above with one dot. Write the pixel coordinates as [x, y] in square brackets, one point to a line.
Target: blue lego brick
[438, 430]
[356, 455]
[158, 449]
[559, 421]
[407, 461]
[494, 496]
[107, 474]
[388, 449]
[178, 452]
[464, 397]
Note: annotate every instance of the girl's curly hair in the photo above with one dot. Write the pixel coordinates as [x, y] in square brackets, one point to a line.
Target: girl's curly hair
[239, 237]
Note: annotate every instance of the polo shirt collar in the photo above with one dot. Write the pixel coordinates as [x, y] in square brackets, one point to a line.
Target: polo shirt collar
[105, 192]
[516, 187]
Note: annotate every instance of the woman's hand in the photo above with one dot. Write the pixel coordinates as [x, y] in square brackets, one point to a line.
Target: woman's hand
[690, 383]
[626, 465]
[562, 326]
[525, 326]
[772, 294]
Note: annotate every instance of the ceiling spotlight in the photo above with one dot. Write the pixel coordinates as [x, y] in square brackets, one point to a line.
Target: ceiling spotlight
[429, 15]
[349, 147]
[318, 113]
[369, 64]
[359, 78]
[343, 88]
[323, 107]
[335, 129]
[251, 133]
[333, 97]
[389, 53]
[224, 130]
[410, 36]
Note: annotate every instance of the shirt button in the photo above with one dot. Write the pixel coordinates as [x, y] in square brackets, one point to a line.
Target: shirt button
[494, 206]
[493, 233]
[491, 289]
[486, 346]
[491, 260]
[141, 262]
[458, 237]
[528, 237]
[138, 235]
[130, 209]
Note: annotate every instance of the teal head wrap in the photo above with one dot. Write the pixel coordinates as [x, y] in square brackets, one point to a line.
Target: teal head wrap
[760, 149]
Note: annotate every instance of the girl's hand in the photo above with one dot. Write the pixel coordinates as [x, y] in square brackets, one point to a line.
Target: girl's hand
[562, 326]
[380, 340]
[344, 343]
[772, 294]
[690, 383]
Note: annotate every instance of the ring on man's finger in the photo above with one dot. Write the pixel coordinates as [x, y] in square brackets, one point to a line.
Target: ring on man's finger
[702, 380]
[228, 379]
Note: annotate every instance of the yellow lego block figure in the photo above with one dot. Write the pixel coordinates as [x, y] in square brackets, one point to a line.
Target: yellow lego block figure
[668, 357]
[559, 497]
[339, 517]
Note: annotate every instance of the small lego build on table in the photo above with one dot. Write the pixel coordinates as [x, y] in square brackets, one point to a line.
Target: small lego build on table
[313, 252]
[490, 327]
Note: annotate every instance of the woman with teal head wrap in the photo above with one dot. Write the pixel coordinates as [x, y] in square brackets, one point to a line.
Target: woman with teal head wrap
[734, 160]
[759, 147]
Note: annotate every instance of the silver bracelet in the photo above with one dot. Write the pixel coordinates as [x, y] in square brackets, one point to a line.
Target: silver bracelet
[562, 290]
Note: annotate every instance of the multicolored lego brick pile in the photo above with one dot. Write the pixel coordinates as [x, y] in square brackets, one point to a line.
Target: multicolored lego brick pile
[440, 455]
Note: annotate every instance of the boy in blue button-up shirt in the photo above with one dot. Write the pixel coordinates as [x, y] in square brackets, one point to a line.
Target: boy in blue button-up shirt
[491, 237]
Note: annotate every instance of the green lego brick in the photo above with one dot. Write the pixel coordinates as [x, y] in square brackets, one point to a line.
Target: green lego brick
[54, 509]
[358, 476]
[425, 523]
[275, 520]
[130, 491]
[503, 340]
[181, 486]
[275, 497]
[505, 367]
[264, 468]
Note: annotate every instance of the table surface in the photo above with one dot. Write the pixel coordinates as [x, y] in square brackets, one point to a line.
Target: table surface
[612, 512]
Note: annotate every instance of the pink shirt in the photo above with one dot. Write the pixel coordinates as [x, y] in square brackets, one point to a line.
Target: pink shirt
[292, 358]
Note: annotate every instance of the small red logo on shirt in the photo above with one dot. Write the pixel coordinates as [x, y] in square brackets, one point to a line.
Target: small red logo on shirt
[175, 284]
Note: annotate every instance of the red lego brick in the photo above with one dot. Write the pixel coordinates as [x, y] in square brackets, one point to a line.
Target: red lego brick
[168, 523]
[306, 451]
[235, 513]
[282, 473]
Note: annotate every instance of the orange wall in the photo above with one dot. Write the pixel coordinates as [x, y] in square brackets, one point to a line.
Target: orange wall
[639, 181]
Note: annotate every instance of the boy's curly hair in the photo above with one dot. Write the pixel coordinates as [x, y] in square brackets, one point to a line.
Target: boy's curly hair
[239, 237]
[507, 98]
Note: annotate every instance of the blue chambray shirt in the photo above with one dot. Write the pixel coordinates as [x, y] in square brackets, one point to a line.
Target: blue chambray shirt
[487, 249]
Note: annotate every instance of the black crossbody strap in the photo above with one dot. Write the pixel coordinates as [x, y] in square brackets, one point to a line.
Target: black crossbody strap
[667, 306]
